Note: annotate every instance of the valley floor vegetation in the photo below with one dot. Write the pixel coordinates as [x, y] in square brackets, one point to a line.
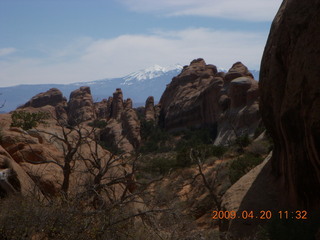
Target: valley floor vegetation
[179, 179]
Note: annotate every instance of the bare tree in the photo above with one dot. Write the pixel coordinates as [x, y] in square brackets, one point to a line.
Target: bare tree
[70, 140]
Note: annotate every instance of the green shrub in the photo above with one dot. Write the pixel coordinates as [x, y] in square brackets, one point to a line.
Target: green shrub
[218, 151]
[183, 158]
[98, 123]
[203, 151]
[161, 165]
[27, 120]
[195, 137]
[27, 218]
[242, 165]
[154, 138]
[243, 141]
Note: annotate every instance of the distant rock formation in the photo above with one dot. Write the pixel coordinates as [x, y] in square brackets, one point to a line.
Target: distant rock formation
[149, 110]
[80, 106]
[103, 108]
[117, 104]
[52, 97]
[26, 159]
[290, 99]
[123, 126]
[200, 96]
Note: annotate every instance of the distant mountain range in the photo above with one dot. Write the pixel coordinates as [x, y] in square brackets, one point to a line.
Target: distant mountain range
[138, 86]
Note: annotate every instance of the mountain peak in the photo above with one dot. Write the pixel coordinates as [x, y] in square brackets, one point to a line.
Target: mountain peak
[151, 72]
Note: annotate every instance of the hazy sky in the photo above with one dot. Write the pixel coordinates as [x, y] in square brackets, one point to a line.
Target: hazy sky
[63, 41]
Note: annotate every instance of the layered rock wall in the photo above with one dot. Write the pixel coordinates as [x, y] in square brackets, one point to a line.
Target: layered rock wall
[80, 106]
[290, 98]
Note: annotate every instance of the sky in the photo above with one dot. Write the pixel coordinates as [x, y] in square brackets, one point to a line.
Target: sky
[65, 41]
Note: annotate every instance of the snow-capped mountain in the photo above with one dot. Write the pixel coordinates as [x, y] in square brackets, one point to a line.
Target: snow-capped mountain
[138, 86]
[150, 73]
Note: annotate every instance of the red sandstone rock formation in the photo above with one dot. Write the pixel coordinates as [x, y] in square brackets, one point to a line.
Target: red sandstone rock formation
[103, 108]
[80, 106]
[117, 104]
[290, 99]
[123, 128]
[149, 110]
[52, 97]
[200, 96]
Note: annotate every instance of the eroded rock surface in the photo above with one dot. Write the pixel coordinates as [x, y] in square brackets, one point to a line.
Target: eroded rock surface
[290, 99]
[149, 110]
[80, 106]
[200, 96]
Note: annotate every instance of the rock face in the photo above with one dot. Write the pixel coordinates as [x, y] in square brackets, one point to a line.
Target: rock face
[30, 161]
[117, 104]
[290, 99]
[123, 125]
[149, 111]
[51, 97]
[103, 108]
[123, 128]
[80, 106]
[255, 191]
[200, 96]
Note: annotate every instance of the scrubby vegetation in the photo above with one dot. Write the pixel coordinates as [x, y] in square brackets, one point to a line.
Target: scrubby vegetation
[98, 123]
[29, 218]
[170, 166]
[241, 165]
[155, 139]
[27, 120]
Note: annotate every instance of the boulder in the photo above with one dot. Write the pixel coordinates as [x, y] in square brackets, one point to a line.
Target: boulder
[13, 179]
[290, 99]
[256, 191]
[237, 70]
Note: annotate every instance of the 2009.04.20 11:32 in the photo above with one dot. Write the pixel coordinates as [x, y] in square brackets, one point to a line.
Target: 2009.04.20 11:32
[299, 214]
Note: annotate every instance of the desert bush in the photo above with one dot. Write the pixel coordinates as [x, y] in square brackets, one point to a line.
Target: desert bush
[25, 218]
[98, 123]
[243, 141]
[218, 151]
[183, 158]
[153, 137]
[27, 120]
[162, 165]
[195, 137]
[242, 165]
[203, 151]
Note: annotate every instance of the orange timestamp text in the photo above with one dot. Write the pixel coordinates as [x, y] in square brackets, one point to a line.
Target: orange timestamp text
[263, 214]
